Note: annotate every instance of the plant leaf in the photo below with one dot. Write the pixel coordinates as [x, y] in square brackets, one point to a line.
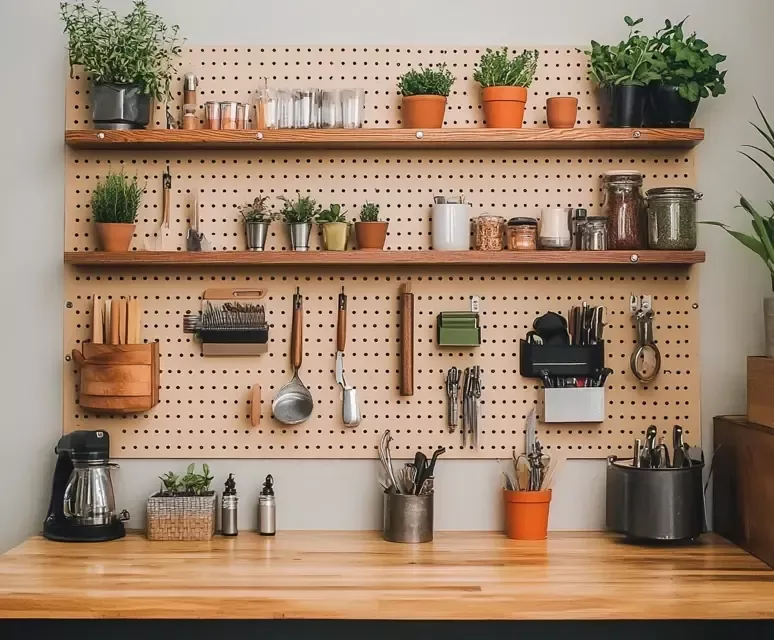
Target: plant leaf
[760, 166]
[766, 122]
[760, 229]
[748, 241]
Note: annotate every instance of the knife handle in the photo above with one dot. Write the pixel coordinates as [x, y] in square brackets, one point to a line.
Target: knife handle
[341, 327]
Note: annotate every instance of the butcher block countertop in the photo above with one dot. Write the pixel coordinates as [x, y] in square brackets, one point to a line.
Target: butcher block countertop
[356, 575]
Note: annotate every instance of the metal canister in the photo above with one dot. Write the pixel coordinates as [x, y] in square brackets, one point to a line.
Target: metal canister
[408, 518]
[228, 508]
[594, 236]
[267, 509]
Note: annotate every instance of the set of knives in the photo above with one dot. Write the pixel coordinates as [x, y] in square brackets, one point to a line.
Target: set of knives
[116, 320]
[656, 456]
[470, 380]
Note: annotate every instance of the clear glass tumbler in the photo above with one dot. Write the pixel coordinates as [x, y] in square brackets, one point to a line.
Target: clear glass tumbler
[352, 107]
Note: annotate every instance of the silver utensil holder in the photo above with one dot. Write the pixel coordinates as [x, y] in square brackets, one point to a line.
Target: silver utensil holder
[255, 235]
[583, 404]
[408, 519]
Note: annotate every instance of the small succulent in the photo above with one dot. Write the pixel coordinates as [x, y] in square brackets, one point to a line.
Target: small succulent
[332, 214]
[191, 484]
[435, 81]
[258, 211]
[369, 212]
[299, 211]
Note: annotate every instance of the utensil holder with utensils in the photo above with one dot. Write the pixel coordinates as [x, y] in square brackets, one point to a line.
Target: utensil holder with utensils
[568, 361]
[407, 518]
[118, 378]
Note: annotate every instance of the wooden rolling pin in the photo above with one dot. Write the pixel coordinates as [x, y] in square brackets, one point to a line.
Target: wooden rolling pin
[406, 340]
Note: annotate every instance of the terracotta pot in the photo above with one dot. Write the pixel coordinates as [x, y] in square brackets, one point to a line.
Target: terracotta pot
[561, 113]
[423, 112]
[526, 514]
[504, 107]
[114, 236]
[371, 236]
[335, 236]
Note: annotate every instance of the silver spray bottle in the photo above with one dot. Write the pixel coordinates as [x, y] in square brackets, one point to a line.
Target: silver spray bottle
[228, 508]
[267, 509]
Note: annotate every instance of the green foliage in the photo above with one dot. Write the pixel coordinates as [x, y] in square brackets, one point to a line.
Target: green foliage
[369, 212]
[302, 210]
[630, 62]
[688, 64]
[496, 69]
[332, 214]
[117, 199]
[134, 49]
[258, 210]
[191, 484]
[436, 81]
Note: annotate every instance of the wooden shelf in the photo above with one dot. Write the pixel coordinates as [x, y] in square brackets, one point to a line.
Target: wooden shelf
[410, 258]
[479, 138]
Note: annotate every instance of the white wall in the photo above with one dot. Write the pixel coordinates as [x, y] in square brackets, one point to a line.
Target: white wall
[32, 55]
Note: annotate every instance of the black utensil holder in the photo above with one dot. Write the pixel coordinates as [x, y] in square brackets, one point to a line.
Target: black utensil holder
[566, 361]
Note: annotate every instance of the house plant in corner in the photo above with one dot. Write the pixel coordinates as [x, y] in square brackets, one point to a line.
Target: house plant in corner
[298, 215]
[130, 60]
[114, 205]
[424, 94]
[257, 218]
[371, 232]
[335, 228]
[504, 83]
[184, 508]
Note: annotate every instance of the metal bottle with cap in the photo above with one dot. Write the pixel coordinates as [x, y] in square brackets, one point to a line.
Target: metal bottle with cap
[228, 508]
[267, 509]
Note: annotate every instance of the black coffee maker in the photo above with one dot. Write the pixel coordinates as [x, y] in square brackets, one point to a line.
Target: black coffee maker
[82, 507]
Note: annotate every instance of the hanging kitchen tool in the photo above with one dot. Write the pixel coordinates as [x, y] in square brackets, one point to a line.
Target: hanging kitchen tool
[293, 404]
[193, 241]
[453, 396]
[349, 410]
[163, 240]
[406, 340]
[97, 323]
[255, 405]
[646, 359]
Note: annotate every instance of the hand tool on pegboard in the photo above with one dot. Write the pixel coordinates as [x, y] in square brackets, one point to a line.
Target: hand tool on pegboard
[406, 340]
[350, 411]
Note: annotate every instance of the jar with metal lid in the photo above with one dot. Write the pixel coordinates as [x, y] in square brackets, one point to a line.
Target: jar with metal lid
[594, 235]
[624, 207]
[672, 218]
[522, 234]
[488, 233]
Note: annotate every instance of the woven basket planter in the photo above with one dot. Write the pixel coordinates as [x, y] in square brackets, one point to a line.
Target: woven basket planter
[181, 518]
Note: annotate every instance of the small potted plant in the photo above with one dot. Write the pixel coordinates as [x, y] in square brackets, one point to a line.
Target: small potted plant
[298, 215]
[257, 218]
[687, 73]
[184, 508]
[505, 81]
[335, 228]
[114, 205]
[371, 232]
[424, 94]
[130, 59]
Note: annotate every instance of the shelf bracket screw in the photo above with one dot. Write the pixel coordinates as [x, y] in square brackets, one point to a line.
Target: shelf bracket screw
[420, 135]
[259, 136]
[634, 258]
[637, 134]
[694, 306]
[69, 305]
[101, 136]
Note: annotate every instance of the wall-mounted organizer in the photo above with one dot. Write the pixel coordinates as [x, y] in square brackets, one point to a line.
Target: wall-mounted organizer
[204, 408]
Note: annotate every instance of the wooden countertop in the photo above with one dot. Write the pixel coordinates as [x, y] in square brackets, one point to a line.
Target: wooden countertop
[355, 575]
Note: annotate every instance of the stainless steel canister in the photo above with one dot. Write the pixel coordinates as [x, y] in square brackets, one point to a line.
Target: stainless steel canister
[408, 518]
[267, 515]
[228, 515]
[594, 235]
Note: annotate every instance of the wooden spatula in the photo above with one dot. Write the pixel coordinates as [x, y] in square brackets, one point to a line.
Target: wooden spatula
[97, 324]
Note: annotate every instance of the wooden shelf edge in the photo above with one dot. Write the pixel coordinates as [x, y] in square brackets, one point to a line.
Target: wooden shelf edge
[408, 258]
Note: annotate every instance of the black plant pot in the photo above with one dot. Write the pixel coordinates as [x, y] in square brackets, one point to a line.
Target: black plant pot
[669, 108]
[623, 105]
[120, 106]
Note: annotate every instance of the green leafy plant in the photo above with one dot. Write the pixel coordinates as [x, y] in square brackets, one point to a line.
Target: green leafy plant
[299, 211]
[138, 48]
[117, 199]
[434, 81]
[258, 210]
[687, 63]
[628, 63]
[496, 69]
[191, 484]
[369, 212]
[332, 214]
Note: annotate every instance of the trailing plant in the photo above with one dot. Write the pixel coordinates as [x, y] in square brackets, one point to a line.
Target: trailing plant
[191, 484]
[258, 210]
[434, 81]
[496, 69]
[762, 242]
[369, 212]
[687, 63]
[332, 214]
[116, 199]
[299, 211]
[628, 63]
[138, 48]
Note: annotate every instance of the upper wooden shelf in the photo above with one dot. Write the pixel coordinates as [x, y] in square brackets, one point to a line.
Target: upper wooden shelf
[480, 138]
[411, 258]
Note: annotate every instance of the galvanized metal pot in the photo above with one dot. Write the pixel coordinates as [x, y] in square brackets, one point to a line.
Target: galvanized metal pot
[120, 106]
[255, 234]
[299, 233]
[408, 519]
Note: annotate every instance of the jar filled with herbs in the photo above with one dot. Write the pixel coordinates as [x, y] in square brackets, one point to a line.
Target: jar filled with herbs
[672, 218]
[623, 205]
[488, 233]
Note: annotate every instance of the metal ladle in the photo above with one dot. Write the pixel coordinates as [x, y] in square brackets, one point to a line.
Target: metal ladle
[293, 404]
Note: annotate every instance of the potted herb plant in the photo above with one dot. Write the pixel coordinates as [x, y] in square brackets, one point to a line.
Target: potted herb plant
[371, 232]
[505, 81]
[257, 218]
[130, 60]
[623, 72]
[114, 205]
[424, 94]
[687, 72]
[335, 228]
[298, 215]
[184, 508]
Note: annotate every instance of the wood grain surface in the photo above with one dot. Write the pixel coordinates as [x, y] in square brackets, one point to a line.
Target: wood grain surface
[356, 575]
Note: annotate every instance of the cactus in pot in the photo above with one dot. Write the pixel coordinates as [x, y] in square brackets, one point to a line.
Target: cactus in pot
[370, 231]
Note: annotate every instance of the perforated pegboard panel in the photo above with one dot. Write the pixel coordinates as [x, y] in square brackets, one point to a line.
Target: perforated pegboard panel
[204, 410]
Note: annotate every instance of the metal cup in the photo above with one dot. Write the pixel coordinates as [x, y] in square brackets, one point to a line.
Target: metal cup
[299, 233]
[408, 519]
[255, 234]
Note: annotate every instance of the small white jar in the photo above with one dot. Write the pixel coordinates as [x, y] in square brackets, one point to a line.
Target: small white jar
[451, 227]
[555, 229]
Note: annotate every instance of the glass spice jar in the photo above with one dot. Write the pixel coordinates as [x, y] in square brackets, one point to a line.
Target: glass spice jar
[624, 207]
[672, 218]
[522, 234]
[488, 233]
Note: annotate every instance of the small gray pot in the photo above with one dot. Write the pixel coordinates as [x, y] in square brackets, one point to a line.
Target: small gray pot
[299, 233]
[120, 106]
[255, 234]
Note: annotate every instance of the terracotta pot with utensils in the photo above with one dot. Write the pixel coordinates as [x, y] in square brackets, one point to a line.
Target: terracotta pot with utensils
[526, 514]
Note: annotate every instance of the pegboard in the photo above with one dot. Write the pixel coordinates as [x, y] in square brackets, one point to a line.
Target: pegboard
[204, 410]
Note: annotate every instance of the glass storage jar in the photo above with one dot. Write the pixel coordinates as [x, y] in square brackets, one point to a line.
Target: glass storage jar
[672, 218]
[522, 234]
[594, 236]
[624, 207]
[488, 233]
